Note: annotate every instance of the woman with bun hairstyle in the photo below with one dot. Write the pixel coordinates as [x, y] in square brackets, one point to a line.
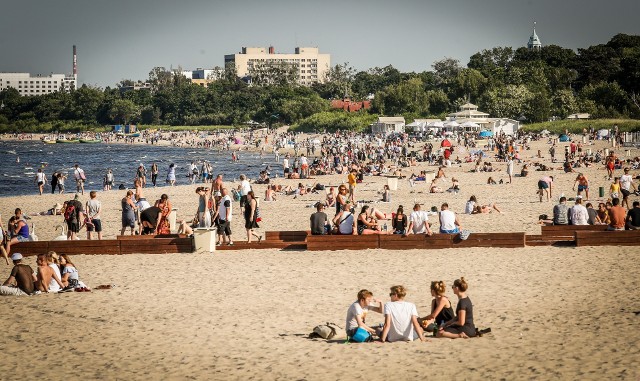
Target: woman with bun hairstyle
[462, 325]
[441, 308]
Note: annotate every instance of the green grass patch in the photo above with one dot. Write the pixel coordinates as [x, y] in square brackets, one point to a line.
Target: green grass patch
[185, 128]
[577, 126]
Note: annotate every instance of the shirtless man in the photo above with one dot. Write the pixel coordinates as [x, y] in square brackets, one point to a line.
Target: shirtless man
[22, 278]
[583, 185]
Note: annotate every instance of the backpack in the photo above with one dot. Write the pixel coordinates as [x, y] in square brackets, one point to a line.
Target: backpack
[326, 331]
[70, 213]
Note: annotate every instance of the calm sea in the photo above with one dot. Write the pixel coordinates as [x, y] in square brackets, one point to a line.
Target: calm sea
[18, 177]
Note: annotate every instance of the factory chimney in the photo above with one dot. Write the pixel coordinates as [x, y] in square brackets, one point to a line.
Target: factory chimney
[75, 63]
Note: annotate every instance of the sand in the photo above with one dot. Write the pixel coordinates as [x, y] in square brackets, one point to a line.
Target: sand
[555, 313]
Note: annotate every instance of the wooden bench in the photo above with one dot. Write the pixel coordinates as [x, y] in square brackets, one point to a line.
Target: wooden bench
[342, 242]
[283, 245]
[516, 239]
[107, 246]
[287, 236]
[128, 237]
[562, 234]
[608, 238]
[415, 241]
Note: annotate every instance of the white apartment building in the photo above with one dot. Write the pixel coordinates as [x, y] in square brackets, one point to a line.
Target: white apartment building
[28, 85]
[310, 64]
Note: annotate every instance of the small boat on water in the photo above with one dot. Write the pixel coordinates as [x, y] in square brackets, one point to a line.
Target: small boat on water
[90, 141]
[67, 141]
[49, 141]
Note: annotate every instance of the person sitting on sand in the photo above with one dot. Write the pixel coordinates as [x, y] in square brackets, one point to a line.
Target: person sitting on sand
[70, 278]
[367, 225]
[399, 222]
[462, 325]
[455, 186]
[491, 181]
[472, 207]
[22, 279]
[440, 173]
[357, 313]
[449, 223]
[524, 172]
[441, 308]
[270, 193]
[400, 318]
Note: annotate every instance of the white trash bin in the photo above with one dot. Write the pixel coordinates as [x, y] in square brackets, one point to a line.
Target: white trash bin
[392, 182]
[205, 239]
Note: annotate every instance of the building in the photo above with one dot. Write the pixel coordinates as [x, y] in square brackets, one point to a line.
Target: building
[350, 106]
[469, 113]
[534, 41]
[309, 64]
[388, 125]
[203, 77]
[470, 119]
[28, 84]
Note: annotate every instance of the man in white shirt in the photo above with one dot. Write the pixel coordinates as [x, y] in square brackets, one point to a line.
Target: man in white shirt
[400, 318]
[357, 313]
[626, 183]
[78, 174]
[579, 214]
[244, 189]
[419, 221]
[224, 218]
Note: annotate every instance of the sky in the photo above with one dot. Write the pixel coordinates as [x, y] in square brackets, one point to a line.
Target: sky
[126, 39]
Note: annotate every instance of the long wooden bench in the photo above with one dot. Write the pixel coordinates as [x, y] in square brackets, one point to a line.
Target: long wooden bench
[516, 239]
[139, 237]
[342, 242]
[608, 238]
[415, 241]
[287, 236]
[147, 245]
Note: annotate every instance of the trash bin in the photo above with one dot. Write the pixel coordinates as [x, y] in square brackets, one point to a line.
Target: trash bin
[205, 239]
[172, 220]
[392, 182]
[430, 175]
[601, 191]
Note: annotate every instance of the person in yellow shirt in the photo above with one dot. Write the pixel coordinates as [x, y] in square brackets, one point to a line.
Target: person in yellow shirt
[614, 189]
[352, 185]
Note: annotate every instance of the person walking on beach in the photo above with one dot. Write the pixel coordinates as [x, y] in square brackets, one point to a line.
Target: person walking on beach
[141, 175]
[74, 216]
[285, 166]
[583, 185]
[510, 168]
[108, 180]
[41, 179]
[164, 226]
[626, 184]
[61, 178]
[54, 182]
[93, 209]
[154, 173]
[251, 216]
[171, 175]
[224, 216]
[80, 178]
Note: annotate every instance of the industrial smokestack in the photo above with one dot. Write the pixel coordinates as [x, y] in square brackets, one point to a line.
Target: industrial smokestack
[75, 62]
[272, 50]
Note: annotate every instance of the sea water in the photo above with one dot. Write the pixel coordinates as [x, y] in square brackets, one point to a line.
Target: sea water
[20, 160]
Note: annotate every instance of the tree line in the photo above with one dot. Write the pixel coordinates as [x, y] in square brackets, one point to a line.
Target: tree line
[530, 85]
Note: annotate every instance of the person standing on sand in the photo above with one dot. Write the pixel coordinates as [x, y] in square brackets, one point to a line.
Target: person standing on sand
[154, 173]
[79, 176]
[54, 182]
[545, 185]
[128, 212]
[510, 168]
[224, 218]
[93, 209]
[251, 216]
[171, 175]
[40, 180]
[583, 185]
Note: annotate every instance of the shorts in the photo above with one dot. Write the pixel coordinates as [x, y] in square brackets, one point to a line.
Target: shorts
[40, 183]
[453, 231]
[22, 239]
[224, 227]
[96, 225]
[73, 227]
[625, 193]
[286, 170]
[583, 188]
[305, 166]
[243, 201]
[543, 185]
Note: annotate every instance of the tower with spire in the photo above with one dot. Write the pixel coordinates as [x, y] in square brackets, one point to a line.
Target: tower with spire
[534, 40]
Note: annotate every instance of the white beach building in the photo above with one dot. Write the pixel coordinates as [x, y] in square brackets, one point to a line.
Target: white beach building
[388, 124]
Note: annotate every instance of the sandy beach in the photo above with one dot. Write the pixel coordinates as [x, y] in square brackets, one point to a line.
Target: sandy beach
[555, 313]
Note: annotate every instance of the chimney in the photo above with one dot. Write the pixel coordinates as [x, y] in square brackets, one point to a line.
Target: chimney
[75, 62]
[272, 50]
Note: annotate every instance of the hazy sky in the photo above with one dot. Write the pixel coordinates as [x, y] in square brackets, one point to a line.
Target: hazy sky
[125, 39]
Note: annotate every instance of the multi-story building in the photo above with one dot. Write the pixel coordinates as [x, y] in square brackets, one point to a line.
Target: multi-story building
[308, 64]
[28, 84]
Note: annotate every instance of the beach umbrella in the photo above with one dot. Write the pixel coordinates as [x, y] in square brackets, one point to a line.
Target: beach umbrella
[485, 134]
[470, 124]
[452, 124]
[603, 132]
[564, 138]
[437, 124]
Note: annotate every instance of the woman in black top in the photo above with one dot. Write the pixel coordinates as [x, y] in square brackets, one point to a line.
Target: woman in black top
[441, 309]
[462, 326]
[251, 216]
[399, 223]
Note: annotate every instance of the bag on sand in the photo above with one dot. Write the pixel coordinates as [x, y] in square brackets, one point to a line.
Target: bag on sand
[326, 331]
